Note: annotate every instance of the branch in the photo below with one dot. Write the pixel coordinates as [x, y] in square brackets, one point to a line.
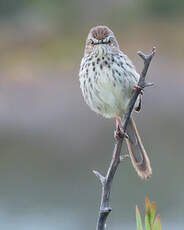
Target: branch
[116, 157]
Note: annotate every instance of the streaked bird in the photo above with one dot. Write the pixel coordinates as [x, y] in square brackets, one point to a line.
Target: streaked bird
[107, 80]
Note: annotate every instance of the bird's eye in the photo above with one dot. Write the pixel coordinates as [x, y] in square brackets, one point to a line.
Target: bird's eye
[110, 41]
[90, 42]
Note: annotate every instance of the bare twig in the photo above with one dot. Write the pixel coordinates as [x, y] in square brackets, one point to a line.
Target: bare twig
[116, 157]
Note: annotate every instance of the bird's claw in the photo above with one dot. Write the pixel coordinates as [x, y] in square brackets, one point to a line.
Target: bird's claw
[118, 134]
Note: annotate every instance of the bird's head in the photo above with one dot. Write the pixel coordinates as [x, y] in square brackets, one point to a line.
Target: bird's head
[101, 38]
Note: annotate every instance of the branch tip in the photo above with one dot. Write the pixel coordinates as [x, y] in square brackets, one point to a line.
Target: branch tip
[148, 84]
[142, 55]
[153, 50]
[99, 176]
[147, 58]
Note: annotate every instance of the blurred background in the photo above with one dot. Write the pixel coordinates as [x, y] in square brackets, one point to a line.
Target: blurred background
[50, 141]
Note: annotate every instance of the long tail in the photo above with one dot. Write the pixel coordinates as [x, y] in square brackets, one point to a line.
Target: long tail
[137, 152]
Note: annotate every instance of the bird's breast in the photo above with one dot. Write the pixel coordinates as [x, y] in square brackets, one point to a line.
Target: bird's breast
[107, 85]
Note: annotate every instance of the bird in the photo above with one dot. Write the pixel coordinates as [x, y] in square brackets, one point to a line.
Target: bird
[107, 80]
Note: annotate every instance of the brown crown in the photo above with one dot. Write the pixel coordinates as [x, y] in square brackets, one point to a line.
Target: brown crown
[100, 32]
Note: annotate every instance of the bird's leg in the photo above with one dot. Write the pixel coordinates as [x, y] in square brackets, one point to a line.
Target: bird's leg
[118, 133]
[117, 123]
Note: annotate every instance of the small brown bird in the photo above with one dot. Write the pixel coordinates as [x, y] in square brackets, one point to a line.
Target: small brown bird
[107, 80]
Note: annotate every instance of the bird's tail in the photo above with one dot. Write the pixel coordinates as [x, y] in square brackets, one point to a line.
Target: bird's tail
[137, 152]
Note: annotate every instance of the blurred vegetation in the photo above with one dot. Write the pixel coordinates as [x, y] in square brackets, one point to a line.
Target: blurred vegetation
[68, 10]
[152, 222]
[165, 8]
[54, 31]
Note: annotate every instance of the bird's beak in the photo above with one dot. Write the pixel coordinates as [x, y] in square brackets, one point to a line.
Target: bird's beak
[101, 42]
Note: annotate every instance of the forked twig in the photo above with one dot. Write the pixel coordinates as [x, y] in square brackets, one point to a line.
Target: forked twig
[106, 181]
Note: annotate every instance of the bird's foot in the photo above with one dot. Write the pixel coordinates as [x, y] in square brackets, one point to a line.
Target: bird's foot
[138, 87]
[119, 134]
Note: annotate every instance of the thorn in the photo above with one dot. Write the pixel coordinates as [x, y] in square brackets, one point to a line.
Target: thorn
[106, 210]
[123, 157]
[148, 84]
[99, 176]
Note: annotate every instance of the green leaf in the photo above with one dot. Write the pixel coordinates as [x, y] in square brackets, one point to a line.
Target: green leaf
[157, 224]
[151, 223]
[138, 219]
[147, 214]
[150, 213]
[147, 203]
[147, 222]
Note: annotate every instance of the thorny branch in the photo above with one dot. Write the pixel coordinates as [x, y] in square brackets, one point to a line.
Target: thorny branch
[106, 181]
